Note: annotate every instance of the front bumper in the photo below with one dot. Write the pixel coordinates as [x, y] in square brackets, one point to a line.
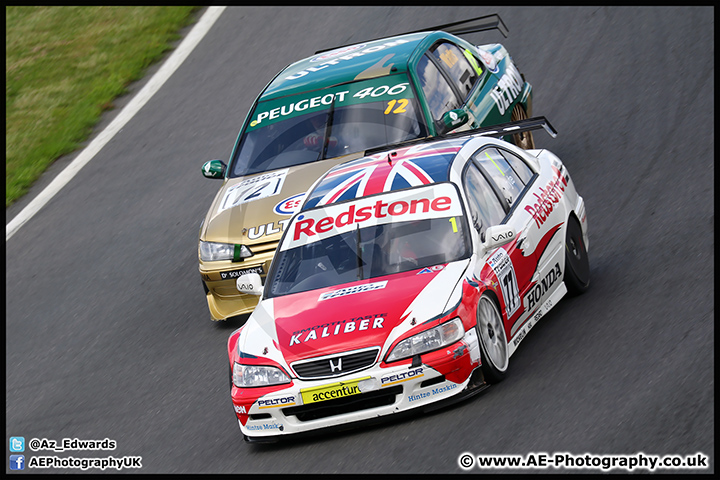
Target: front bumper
[307, 405]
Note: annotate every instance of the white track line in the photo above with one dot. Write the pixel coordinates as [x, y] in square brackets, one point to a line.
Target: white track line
[171, 64]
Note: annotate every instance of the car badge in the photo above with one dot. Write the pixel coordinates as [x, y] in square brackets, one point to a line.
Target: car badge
[336, 367]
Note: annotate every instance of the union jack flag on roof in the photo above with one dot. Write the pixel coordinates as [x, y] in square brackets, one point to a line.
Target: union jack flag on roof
[387, 171]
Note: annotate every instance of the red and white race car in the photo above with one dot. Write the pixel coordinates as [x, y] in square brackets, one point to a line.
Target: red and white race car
[408, 278]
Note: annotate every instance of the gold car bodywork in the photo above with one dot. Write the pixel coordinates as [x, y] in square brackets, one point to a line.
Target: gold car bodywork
[255, 224]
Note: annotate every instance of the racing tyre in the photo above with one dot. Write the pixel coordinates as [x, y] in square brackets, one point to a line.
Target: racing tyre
[493, 343]
[523, 140]
[577, 265]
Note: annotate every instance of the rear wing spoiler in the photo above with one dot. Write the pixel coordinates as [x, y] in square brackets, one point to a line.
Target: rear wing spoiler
[471, 25]
[510, 128]
[497, 131]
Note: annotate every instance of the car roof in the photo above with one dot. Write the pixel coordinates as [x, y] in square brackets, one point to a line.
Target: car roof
[418, 164]
[345, 64]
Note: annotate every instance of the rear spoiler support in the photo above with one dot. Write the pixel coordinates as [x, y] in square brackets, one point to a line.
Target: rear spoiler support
[497, 131]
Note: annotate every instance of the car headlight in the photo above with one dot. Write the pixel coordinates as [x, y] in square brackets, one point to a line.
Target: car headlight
[212, 251]
[257, 376]
[438, 337]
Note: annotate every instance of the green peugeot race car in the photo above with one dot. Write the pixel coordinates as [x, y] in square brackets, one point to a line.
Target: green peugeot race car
[331, 108]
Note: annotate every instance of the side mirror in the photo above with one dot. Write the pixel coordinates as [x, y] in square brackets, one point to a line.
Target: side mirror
[453, 119]
[250, 284]
[214, 169]
[497, 236]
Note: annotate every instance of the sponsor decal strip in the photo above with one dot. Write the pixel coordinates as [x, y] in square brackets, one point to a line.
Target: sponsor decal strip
[238, 273]
[332, 391]
[402, 377]
[507, 89]
[340, 327]
[539, 290]
[352, 290]
[434, 201]
[343, 54]
[535, 317]
[549, 196]
[434, 391]
[264, 426]
[290, 205]
[380, 89]
[276, 402]
[254, 233]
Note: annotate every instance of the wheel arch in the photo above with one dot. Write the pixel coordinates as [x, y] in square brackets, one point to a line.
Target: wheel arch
[496, 300]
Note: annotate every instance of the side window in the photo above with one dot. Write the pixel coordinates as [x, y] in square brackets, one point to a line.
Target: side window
[502, 174]
[520, 167]
[440, 96]
[458, 65]
[485, 208]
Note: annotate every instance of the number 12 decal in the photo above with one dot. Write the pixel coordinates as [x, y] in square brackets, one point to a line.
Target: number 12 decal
[401, 104]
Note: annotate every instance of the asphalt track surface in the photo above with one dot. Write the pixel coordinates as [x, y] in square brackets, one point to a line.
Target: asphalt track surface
[107, 330]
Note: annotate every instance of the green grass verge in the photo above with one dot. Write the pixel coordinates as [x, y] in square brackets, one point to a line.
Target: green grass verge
[64, 66]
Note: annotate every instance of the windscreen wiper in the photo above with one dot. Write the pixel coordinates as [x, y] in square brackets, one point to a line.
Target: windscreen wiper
[328, 129]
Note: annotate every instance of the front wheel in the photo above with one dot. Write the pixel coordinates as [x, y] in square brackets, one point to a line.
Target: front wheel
[523, 140]
[493, 343]
[577, 265]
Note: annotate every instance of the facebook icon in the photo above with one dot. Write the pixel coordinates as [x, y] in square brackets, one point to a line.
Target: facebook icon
[17, 462]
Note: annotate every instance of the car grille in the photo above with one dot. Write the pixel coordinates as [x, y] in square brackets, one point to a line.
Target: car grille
[258, 248]
[340, 406]
[336, 365]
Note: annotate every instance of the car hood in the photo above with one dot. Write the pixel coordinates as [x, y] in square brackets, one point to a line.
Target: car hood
[367, 313]
[253, 209]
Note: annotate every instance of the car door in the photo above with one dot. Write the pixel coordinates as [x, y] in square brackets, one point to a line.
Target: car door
[536, 253]
[499, 182]
[488, 208]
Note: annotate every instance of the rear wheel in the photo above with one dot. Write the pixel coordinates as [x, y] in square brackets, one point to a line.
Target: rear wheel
[577, 265]
[523, 140]
[493, 344]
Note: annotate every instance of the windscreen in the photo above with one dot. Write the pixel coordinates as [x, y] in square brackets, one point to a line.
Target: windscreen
[328, 123]
[373, 237]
